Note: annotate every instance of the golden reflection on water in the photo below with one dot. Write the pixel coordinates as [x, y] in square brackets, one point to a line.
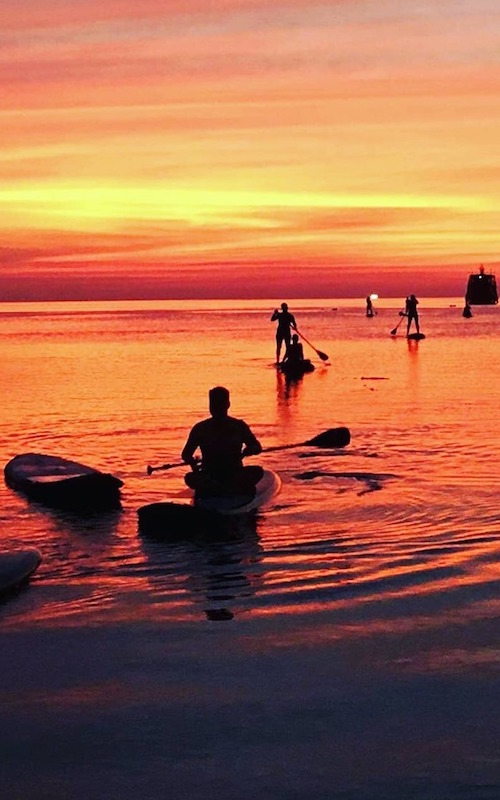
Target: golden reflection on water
[407, 512]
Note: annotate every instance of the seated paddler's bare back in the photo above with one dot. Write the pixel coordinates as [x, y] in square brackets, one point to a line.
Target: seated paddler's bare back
[221, 441]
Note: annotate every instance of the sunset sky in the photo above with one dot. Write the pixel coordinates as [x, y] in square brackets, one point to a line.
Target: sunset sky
[212, 148]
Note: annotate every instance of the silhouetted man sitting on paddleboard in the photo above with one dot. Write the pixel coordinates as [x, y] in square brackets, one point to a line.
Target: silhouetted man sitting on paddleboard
[283, 332]
[411, 312]
[295, 353]
[224, 442]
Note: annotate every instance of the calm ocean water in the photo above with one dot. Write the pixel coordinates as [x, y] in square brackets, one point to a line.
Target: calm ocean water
[362, 656]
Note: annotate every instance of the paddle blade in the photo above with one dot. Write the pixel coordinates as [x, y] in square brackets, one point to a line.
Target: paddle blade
[149, 469]
[394, 331]
[322, 356]
[333, 437]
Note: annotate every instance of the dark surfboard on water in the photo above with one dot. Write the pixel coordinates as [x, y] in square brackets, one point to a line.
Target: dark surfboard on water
[60, 483]
[296, 369]
[416, 337]
[16, 566]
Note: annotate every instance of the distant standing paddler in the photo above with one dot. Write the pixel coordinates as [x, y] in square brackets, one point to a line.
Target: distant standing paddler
[412, 313]
[369, 307]
[286, 321]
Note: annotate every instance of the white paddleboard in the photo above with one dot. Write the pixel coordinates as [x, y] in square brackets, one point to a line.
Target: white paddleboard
[177, 520]
[268, 486]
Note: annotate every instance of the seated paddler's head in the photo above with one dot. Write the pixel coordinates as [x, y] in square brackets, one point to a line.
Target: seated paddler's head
[219, 401]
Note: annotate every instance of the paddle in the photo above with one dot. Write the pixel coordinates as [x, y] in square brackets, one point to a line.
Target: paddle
[333, 437]
[150, 469]
[395, 330]
[322, 356]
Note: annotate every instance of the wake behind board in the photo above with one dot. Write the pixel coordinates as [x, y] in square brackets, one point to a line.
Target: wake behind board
[16, 566]
[180, 520]
[60, 483]
[416, 337]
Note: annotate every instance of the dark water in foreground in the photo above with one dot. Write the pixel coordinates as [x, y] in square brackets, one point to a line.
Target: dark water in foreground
[344, 645]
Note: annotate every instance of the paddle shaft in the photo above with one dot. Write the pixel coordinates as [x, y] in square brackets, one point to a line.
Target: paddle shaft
[333, 437]
[393, 332]
[323, 356]
[150, 469]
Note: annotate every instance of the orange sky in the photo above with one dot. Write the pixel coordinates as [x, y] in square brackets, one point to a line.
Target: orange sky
[247, 148]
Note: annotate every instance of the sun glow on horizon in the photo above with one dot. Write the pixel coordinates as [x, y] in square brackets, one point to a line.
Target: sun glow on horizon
[136, 139]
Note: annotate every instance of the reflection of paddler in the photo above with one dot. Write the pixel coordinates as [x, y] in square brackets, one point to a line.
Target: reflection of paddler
[224, 442]
[218, 569]
[283, 332]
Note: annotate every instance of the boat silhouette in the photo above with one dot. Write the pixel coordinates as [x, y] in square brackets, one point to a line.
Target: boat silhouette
[481, 289]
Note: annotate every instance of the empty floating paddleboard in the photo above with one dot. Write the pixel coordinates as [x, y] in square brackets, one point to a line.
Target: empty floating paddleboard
[60, 483]
[16, 566]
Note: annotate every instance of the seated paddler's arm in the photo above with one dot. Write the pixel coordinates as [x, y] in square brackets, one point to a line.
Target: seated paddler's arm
[252, 445]
[189, 449]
